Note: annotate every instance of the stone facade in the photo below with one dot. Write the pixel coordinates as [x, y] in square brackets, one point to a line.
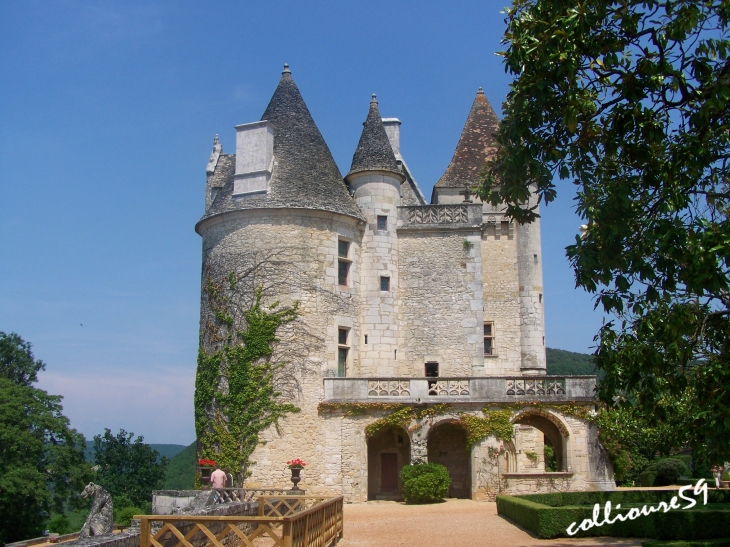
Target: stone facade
[401, 301]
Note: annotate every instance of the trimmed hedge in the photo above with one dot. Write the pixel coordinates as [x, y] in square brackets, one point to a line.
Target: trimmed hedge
[725, 542]
[550, 515]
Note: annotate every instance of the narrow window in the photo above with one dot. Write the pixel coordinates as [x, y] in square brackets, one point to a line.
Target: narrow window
[343, 262]
[534, 257]
[366, 338]
[540, 298]
[342, 351]
[395, 354]
[432, 370]
[489, 338]
[384, 283]
[343, 248]
[382, 222]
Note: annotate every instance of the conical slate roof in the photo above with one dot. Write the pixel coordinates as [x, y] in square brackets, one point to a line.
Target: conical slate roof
[305, 174]
[476, 145]
[374, 152]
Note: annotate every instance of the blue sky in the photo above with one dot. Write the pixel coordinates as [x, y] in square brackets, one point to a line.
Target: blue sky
[107, 117]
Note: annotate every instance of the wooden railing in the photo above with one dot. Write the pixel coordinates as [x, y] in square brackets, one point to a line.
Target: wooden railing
[242, 495]
[291, 521]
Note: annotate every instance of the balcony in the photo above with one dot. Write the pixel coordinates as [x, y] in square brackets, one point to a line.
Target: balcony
[495, 389]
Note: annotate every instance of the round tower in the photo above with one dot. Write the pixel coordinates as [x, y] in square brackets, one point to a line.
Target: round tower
[375, 181]
[279, 222]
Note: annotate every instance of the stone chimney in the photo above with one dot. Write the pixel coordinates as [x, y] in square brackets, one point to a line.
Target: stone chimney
[254, 157]
[392, 129]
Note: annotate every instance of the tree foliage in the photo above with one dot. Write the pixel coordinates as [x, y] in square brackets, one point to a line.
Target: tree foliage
[629, 100]
[16, 360]
[42, 462]
[128, 468]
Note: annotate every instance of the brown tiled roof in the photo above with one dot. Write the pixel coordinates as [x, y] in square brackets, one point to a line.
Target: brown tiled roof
[476, 145]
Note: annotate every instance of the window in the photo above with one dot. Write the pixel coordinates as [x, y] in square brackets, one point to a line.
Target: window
[343, 262]
[384, 283]
[382, 222]
[343, 248]
[342, 351]
[489, 338]
[432, 370]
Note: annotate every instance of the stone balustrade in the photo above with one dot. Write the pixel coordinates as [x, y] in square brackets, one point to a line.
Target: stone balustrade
[460, 390]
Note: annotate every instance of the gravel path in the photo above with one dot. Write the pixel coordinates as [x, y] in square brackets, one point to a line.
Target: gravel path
[462, 523]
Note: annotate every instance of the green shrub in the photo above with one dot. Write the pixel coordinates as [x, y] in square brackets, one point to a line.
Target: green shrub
[701, 469]
[60, 524]
[124, 515]
[647, 478]
[551, 462]
[667, 471]
[424, 482]
[725, 476]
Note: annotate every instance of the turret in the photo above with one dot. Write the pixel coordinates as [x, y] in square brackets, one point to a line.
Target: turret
[375, 181]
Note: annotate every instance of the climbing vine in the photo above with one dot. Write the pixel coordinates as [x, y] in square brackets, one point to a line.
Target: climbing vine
[497, 423]
[236, 397]
[497, 418]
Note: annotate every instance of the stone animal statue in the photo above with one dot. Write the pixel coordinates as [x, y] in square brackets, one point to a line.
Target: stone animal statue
[101, 517]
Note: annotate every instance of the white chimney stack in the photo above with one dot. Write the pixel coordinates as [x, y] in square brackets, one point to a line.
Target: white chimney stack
[254, 157]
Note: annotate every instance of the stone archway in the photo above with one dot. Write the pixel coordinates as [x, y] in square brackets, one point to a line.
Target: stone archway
[554, 431]
[388, 452]
[447, 446]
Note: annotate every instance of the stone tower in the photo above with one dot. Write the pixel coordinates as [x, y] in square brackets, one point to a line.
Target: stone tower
[434, 309]
[375, 182]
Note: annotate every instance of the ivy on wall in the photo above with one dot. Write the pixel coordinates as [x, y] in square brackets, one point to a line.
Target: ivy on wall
[497, 418]
[235, 395]
[494, 422]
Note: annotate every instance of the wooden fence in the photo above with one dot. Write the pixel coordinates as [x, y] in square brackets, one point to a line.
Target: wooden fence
[292, 521]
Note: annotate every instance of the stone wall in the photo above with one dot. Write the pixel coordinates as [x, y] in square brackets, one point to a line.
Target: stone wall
[501, 291]
[441, 302]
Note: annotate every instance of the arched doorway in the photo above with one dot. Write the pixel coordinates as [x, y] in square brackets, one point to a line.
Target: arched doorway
[554, 436]
[447, 446]
[388, 452]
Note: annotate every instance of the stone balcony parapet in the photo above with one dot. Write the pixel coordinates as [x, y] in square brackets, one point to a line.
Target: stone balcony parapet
[489, 389]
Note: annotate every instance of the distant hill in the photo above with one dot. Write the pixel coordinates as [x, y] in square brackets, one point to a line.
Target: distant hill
[169, 450]
[568, 363]
[181, 470]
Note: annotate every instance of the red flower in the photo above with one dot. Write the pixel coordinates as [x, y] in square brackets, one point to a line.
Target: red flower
[296, 463]
[204, 462]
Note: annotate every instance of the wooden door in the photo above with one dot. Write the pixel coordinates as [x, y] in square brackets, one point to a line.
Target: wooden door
[388, 472]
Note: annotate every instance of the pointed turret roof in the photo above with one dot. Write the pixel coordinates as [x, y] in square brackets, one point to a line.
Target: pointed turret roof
[374, 152]
[305, 174]
[476, 145]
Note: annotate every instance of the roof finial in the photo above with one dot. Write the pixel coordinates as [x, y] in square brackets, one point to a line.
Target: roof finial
[480, 92]
[374, 99]
[286, 69]
[215, 140]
